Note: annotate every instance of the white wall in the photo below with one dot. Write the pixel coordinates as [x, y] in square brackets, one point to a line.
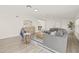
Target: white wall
[9, 26]
[36, 22]
[61, 23]
[77, 28]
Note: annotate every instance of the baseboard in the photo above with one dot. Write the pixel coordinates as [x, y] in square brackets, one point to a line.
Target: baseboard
[10, 36]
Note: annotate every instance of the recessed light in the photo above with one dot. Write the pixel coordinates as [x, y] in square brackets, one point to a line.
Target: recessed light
[35, 10]
[17, 16]
[29, 6]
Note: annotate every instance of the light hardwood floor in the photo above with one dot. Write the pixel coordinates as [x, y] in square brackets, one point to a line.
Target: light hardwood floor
[72, 43]
[14, 45]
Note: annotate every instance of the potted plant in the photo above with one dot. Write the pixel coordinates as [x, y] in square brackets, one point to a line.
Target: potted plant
[71, 26]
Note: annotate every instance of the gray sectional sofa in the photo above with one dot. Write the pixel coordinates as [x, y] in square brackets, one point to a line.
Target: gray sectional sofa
[57, 42]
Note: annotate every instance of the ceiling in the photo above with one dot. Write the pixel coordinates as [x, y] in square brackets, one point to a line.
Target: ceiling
[44, 11]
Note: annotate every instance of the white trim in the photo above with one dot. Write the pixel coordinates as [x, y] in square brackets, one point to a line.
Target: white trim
[9, 36]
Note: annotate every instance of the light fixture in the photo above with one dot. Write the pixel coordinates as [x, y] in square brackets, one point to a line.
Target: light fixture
[35, 10]
[17, 16]
[29, 6]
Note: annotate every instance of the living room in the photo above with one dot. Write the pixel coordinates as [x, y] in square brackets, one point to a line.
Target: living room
[51, 27]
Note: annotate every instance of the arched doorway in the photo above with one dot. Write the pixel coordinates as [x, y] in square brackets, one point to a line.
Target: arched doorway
[77, 28]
